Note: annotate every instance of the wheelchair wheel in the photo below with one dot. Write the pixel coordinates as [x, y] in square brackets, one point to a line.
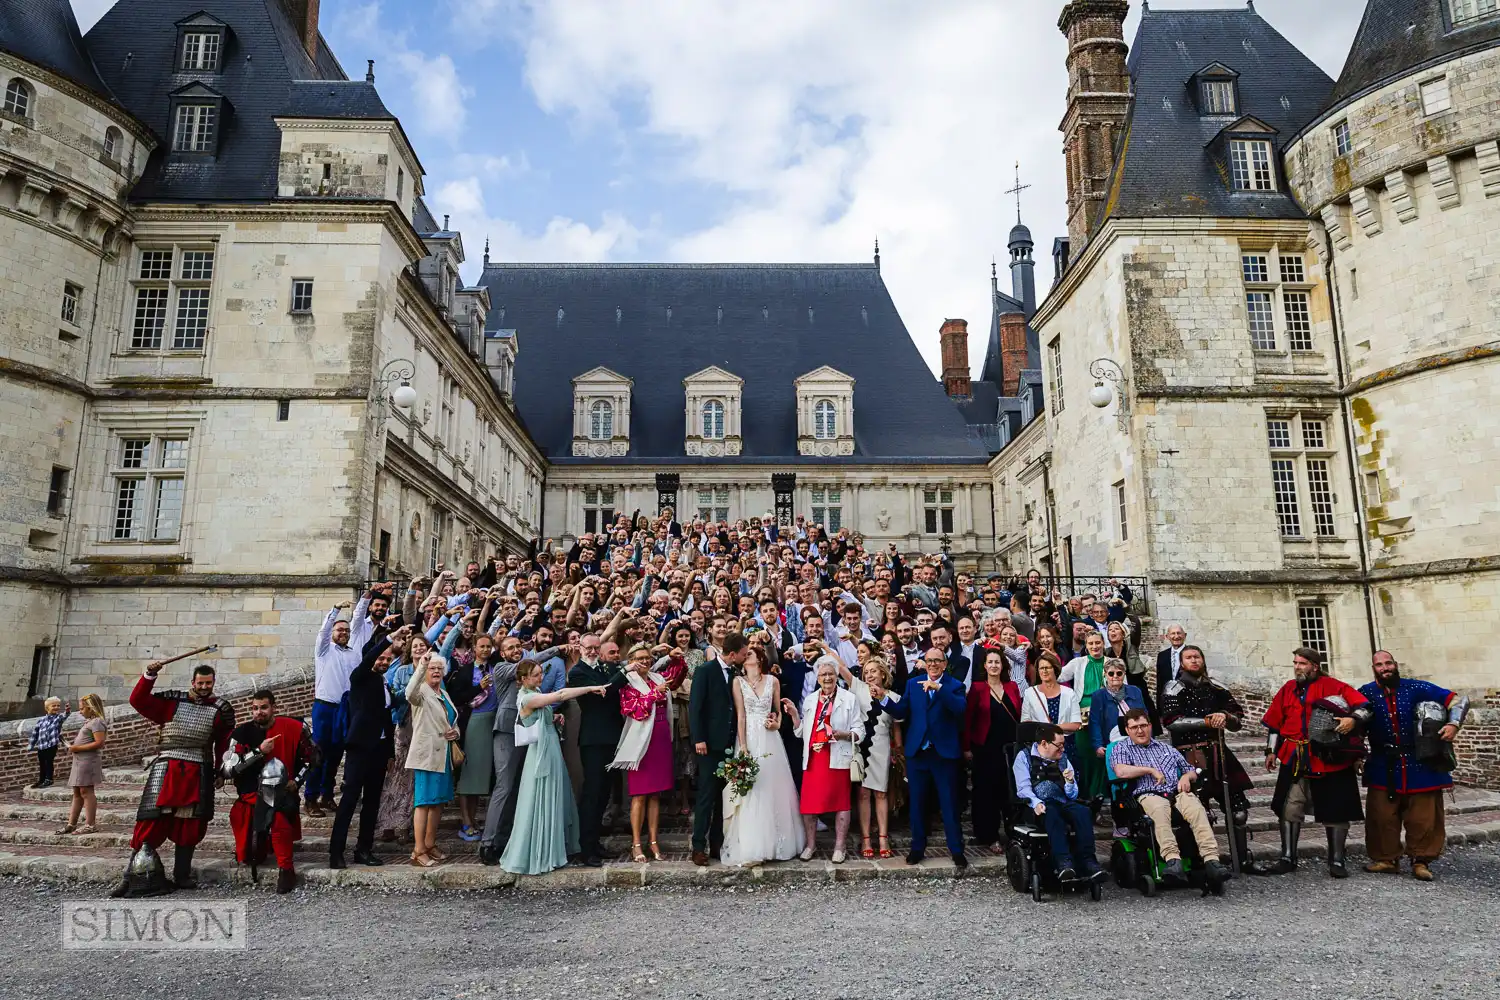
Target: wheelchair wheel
[1148, 885]
[1018, 866]
[1036, 887]
[1096, 891]
[1124, 865]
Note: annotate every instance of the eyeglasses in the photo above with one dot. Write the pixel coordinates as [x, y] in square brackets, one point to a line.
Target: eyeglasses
[1114, 673]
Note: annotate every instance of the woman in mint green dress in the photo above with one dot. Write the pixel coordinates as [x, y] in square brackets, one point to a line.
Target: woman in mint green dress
[546, 825]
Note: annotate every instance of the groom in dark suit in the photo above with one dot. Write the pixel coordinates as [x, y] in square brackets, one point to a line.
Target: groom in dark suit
[714, 729]
[933, 709]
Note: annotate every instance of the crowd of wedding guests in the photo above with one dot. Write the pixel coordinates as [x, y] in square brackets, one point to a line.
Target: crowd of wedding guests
[684, 645]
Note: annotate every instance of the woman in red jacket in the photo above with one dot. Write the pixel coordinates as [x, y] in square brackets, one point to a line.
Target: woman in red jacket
[989, 729]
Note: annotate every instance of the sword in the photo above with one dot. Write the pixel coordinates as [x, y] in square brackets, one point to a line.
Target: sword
[1234, 844]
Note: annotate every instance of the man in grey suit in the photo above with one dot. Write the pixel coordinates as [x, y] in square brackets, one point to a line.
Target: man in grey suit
[508, 759]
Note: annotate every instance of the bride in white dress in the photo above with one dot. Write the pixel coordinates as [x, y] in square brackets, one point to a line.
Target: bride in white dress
[765, 825]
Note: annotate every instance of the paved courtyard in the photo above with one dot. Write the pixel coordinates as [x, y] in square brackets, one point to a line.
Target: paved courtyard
[1371, 937]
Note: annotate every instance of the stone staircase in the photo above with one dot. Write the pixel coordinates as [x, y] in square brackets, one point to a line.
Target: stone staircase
[32, 846]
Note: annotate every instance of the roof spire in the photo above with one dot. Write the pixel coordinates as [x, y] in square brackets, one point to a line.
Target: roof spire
[877, 253]
[486, 251]
[370, 71]
[994, 276]
[1017, 191]
[1251, 5]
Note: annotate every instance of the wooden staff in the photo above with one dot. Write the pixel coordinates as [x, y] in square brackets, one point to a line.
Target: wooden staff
[200, 649]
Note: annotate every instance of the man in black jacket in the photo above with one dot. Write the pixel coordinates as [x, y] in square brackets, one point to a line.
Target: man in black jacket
[599, 727]
[367, 750]
[712, 723]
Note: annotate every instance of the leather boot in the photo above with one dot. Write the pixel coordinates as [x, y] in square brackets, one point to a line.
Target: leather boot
[1337, 838]
[1287, 863]
[182, 868]
[286, 881]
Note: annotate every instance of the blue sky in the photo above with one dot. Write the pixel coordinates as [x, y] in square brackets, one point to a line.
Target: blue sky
[747, 130]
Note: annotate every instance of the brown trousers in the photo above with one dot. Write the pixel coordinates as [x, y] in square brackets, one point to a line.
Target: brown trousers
[1421, 813]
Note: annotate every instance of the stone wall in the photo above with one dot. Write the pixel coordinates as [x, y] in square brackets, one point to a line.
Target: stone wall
[131, 736]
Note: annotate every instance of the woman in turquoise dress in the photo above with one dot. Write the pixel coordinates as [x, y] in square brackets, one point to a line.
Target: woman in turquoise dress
[546, 825]
[430, 756]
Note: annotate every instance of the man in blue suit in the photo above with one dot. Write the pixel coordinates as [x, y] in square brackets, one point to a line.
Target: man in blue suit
[933, 710]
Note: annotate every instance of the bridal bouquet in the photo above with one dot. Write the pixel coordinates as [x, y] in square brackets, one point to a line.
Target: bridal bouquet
[739, 772]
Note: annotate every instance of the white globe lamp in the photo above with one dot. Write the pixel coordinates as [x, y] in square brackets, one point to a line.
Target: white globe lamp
[1100, 395]
[405, 397]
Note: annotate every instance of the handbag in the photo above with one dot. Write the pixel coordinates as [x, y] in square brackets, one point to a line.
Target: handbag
[457, 753]
[527, 735]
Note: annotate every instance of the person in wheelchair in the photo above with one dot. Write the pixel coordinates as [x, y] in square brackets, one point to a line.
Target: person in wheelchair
[1046, 781]
[1162, 781]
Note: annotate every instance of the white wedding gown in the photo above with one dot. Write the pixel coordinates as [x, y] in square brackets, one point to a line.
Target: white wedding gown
[765, 825]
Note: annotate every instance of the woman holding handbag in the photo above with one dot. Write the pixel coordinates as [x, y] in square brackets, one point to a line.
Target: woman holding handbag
[546, 825]
[434, 731]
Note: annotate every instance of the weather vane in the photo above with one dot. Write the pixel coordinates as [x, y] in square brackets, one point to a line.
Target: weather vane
[1017, 191]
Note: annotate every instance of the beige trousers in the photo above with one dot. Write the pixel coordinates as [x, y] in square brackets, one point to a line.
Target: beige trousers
[1160, 811]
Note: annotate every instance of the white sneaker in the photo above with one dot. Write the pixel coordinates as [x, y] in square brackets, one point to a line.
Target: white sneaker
[807, 854]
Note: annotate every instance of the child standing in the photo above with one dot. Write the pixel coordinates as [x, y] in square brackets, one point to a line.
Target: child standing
[45, 739]
[87, 768]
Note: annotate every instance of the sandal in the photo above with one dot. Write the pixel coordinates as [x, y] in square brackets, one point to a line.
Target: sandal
[68, 828]
[422, 861]
[437, 855]
[86, 828]
[637, 855]
[885, 847]
[866, 852]
[656, 850]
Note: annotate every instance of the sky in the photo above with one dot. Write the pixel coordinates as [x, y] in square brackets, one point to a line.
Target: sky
[749, 130]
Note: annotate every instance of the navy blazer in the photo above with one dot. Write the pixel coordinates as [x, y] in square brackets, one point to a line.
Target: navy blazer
[936, 718]
[1104, 713]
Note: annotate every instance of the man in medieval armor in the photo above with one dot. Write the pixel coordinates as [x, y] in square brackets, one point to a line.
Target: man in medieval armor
[178, 799]
[1197, 711]
[268, 760]
[1410, 766]
[1314, 734]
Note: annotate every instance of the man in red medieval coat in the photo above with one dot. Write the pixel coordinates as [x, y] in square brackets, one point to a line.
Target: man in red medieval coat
[268, 760]
[178, 800]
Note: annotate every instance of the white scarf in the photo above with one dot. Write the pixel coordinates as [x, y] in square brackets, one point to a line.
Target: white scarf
[635, 738]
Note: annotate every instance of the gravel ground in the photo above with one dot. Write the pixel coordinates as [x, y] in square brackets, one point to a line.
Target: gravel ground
[920, 939]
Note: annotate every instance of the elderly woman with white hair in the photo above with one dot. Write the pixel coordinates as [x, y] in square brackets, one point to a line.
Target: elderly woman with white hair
[830, 726]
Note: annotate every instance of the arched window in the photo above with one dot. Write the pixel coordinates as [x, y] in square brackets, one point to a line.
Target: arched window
[112, 143]
[601, 420]
[18, 98]
[713, 419]
[825, 424]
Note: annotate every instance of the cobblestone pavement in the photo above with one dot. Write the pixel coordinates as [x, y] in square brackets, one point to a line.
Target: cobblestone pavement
[1286, 938]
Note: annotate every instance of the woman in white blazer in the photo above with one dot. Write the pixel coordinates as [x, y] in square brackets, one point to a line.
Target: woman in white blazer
[831, 726]
[434, 730]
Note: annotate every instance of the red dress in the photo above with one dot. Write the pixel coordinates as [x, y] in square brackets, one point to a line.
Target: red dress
[825, 789]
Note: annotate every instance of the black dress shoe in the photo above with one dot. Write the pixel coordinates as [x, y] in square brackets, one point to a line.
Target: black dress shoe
[915, 857]
[368, 859]
[594, 861]
[960, 862]
[337, 863]
[488, 855]
[1066, 874]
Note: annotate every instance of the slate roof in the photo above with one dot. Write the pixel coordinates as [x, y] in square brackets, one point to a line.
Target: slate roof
[1399, 36]
[1164, 168]
[135, 46]
[764, 335]
[348, 99]
[45, 32]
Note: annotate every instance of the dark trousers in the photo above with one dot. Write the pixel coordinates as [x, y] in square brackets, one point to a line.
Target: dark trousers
[1070, 830]
[593, 797]
[44, 759]
[929, 775]
[792, 743]
[327, 732]
[364, 775]
[992, 792]
[708, 812]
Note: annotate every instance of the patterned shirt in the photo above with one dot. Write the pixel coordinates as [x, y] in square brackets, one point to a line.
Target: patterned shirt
[48, 732]
[1162, 756]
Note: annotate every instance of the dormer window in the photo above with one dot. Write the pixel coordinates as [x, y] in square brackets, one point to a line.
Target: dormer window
[601, 420]
[601, 414]
[713, 420]
[1250, 165]
[825, 420]
[825, 413]
[1218, 97]
[1465, 12]
[712, 399]
[200, 51]
[197, 116]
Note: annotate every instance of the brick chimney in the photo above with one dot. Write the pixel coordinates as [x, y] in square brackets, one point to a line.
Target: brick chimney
[304, 14]
[953, 340]
[1012, 352]
[1098, 104]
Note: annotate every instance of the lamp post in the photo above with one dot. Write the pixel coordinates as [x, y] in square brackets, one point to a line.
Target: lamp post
[1102, 370]
[398, 373]
[945, 542]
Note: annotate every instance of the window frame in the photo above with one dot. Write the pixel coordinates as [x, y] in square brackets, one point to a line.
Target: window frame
[716, 506]
[1122, 516]
[170, 331]
[825, 420]
[110, 146]
[145, 524]
[599, 507]
[601, 420]
[1428, 87]
[72, 295]
[937, 510]
[1054, 355]
[711, 419]
[1243, 160]
[827, 506]
[1278, 302]
[203, 133]
[1304, 487]
[20, 98]
[58, 492]
[1313, 618]
[302, 297]
[1343, 140]
[1222, 86]
[203, 36]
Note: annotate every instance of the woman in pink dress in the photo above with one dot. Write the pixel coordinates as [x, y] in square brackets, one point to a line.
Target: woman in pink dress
[645, 747]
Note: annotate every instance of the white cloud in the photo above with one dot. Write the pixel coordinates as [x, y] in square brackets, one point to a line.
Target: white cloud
[435, 85]
[563, 239]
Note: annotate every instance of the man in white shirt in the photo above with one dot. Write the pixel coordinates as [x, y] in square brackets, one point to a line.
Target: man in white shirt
[968, 643]
[1169, 660]
[849, 632]
[334, 659]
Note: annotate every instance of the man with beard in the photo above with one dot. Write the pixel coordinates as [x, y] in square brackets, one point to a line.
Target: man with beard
[1404, 788]
[268, 758]
[1312, 780]
[178, 800]
[1197, 710]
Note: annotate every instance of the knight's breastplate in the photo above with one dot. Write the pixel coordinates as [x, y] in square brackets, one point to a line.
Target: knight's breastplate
[189, 735]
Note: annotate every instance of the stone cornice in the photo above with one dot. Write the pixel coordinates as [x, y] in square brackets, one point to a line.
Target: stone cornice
[1418, 366]
[1314, 575]
[115, 112]
[137, 574]
[389, 125]
[356, 211]
[731, 470]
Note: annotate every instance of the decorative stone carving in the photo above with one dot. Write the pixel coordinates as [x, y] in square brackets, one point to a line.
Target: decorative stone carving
[1366, 211]
[1440, 170]
[712, 385]
[883, 519]
[1489, 167]
[823, 395]
[600, 385]
[1398, 186]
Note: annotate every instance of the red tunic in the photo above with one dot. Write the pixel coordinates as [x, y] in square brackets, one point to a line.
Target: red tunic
[825, 789]
[286, 829]
[1288, 717]
[181, 786]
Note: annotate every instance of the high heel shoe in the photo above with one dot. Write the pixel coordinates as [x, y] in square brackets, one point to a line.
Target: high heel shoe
[885, 847]
[867, 852]
[637, 855]
[656, 850]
